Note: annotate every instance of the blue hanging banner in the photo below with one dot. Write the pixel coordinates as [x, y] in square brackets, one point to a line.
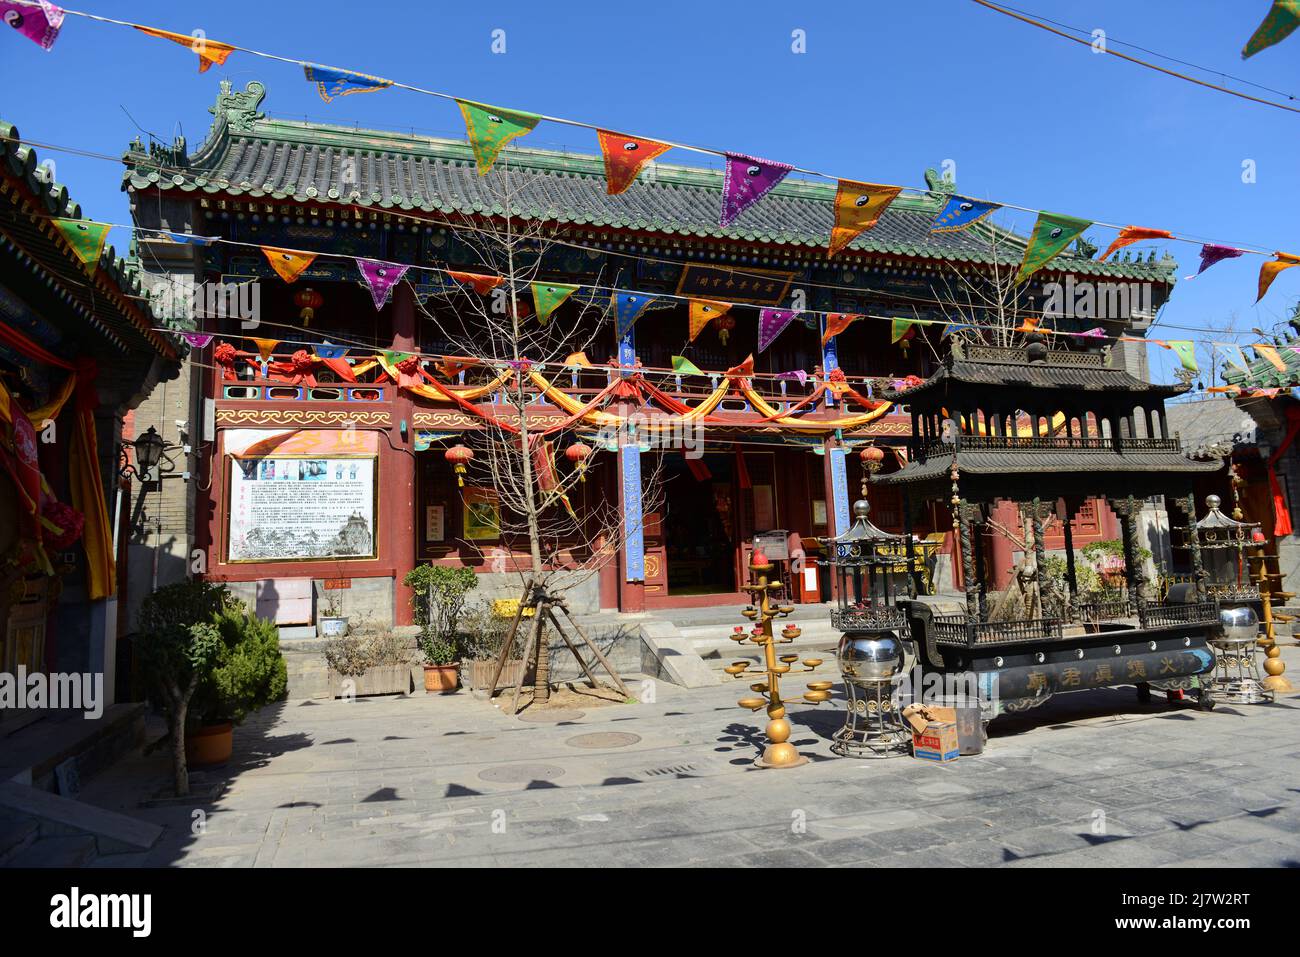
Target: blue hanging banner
[840, 489]
[628, 306]
[331, 82]
[960, 212]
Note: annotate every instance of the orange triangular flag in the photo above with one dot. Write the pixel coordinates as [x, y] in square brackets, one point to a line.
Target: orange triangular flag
[265, 347]
[209, 51]
[480, 283]
[1270, 353]
[1268, 272]
[578, 359]
[624, 158]
[704, 311]
[743, 371]
[1134, 234]
[837, 322]
[452, 366]
[857, 208]
[288, 265]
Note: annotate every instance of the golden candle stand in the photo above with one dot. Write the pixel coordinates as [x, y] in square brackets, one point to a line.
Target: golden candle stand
[779, 753]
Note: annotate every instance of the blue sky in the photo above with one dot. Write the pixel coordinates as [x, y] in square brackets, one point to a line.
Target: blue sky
[884, 90]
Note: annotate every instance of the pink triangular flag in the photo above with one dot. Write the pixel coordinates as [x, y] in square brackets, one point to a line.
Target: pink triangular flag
[380, 277]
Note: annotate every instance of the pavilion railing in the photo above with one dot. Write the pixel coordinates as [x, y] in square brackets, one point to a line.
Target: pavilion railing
[1156, 614]
[1055, 443]
[1116, 609]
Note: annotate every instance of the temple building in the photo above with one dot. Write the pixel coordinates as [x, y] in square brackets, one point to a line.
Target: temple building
[78, 352]
[308, 385]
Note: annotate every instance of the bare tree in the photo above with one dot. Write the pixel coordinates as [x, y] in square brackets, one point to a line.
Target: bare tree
[987, 305]
[570, 531]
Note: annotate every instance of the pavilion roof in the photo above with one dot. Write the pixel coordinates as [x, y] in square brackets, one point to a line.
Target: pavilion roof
[248, 154]
[114, 302]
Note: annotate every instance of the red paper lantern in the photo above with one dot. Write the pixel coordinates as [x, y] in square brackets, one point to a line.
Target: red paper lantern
[725, 325]
[578, 453]
[459, 456]
[308, 301]
[872, 456]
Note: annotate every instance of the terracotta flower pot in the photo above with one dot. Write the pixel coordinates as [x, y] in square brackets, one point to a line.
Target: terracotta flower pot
[210, 744]
[441, 679]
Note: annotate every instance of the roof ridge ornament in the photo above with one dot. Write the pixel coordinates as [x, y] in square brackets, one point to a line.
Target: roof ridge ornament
[239, 110]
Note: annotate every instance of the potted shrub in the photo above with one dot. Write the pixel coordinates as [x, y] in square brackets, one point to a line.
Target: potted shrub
[178, 643]
[442, 667]
[333, 623]
[439, 599]
[368, 663]
[247, 673]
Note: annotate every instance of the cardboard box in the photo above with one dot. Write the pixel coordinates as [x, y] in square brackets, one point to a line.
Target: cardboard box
[934, 732]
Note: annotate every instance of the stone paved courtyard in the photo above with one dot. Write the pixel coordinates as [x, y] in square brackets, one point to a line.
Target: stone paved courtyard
[1091, 779]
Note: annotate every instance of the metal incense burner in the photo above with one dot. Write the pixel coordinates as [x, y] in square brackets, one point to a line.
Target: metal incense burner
[873, 568]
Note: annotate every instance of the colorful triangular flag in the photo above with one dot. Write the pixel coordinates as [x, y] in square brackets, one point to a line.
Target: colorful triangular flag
[197, 340]
[86, 239]
[547, 297]
[704, 311]
[746, 180]
[208, 51]
[1270, 353]
[1133, 234]
[628, 306]
[265, 347]
[771, 323]
[327, 350]
[857, 208]
[1280, 23]
[380, 277]
[898, 328]
[490, 129]
[1052, 233]
[959, 212]
[1185, 349]
[837, 322]
[287, 263]
[331, 82]
[684, 366]
[480, 283]
[624, 158]
[40, 22]
[1212, 253]
[577, 360]
[1268, 272]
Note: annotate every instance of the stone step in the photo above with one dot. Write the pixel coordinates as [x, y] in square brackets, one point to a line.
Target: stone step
[17, 832]
[58, 816]
[75, 850]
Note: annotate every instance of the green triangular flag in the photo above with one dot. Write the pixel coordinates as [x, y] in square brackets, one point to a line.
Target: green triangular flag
[1186, 353]
[547, 297]
[899, 329]
[1280, 23]
[490, 129]
[86, 238]
[684, 366]
[1052, 233]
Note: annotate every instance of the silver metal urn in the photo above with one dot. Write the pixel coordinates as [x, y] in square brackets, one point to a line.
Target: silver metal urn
[1239, 626]
[870, 658]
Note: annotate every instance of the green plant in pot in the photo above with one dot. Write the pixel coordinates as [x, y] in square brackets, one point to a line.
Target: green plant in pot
[333, 623]
[247, 673]
[178, 643]
[438, 601]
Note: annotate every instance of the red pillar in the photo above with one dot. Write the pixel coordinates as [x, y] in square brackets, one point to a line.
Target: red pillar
[398, 479]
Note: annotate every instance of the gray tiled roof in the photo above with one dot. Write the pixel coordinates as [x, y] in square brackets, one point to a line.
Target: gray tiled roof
[249, 155]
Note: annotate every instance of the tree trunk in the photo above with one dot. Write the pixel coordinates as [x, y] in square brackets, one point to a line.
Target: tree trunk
[180, 769]
[542, 678]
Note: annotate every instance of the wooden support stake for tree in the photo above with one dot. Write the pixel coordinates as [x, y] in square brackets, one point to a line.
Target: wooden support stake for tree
[528, 650]
[581, 660]
[508, 645]
[597, 652]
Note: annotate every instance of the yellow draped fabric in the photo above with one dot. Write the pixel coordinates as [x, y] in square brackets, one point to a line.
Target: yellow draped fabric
[571, 405]
[88, 498]
[1055, 425]
[51, 409]
[767, 410]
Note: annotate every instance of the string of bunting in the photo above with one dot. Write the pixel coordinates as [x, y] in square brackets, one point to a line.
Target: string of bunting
[626, 306]
[746, 179]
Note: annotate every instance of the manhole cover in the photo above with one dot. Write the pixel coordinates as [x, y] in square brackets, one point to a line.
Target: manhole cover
[511, 773]
[603, 739]
[552, 716]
